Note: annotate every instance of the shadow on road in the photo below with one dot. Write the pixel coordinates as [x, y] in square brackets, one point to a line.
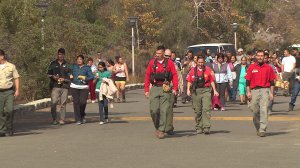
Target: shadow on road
[219, 132]
[276, 133]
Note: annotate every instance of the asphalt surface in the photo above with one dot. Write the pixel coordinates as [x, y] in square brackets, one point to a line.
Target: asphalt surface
[128, 141]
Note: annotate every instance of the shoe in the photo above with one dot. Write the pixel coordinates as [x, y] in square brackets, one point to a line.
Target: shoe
[222, 109]
[118, 100]
[93, 101]
[159, 134]
[2, 134]
[206, 131]
[78, 123]
[291, 107]
[123, 100]
[83, 121]
[242, 103]
[101, 123]
[199, 131]
[170, 133]
[261, 134]
[54, 122]
[106, 120]
[216, 109]
[61, 122]
[9, 133]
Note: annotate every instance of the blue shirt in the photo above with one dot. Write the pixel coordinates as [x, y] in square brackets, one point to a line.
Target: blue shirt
[85, 70]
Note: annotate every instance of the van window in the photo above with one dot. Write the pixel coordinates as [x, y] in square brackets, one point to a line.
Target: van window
[195, 50]
[229, 48]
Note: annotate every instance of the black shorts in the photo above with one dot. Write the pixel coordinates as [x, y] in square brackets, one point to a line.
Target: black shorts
[120, 79]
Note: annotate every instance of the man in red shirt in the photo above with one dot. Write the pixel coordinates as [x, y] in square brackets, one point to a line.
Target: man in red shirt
[260, 83]
[160, 73]
[199, 87]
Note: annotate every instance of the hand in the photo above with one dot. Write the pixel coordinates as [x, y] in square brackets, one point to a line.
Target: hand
[230, 84]
[61, 79]
[271, 97]
[249, 96]
[71, 77]
[174, 92]
[127, 79]
[216, 93]
[147, 95]
[81, 77]
[188, 92]
[17, 93]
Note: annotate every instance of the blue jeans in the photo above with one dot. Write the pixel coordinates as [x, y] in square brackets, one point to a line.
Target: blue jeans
[232, 93]
[296, 89]
[103, 107]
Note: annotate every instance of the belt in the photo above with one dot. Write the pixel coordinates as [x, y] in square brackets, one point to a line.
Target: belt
[4, 90]
[258, 87]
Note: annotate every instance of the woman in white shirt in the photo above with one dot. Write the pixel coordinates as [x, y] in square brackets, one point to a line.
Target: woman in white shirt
[121, 77]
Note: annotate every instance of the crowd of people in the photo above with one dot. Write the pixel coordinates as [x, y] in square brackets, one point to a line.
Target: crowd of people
[208, 80]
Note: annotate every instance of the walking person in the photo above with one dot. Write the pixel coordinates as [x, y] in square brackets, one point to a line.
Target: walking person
[82, 74]
[200, 82]
[223, 76]
[101, 75]
[240, 81]
[59, 72]
[160, 73]
[260, 87]
[296, 88]
[92, 86]
[9, 90]
[121, 77]
[189, 57]
[288, 66]
[233, 91]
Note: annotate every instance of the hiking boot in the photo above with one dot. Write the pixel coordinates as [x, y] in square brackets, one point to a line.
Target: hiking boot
[291, 107]
[261, 134]
[199, 131]
[61, 122]
[206, 131]
[170, 133]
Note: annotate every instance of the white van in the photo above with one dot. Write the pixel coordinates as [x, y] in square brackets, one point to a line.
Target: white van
[214, 48]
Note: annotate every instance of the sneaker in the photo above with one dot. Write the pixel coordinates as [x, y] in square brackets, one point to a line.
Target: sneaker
[93, 101]
[291, 107]
[61, 122]
[123, 100]
[118, 100]
[206, 131]
[222, 109]
[78, 123]
[54, 122]
[199, 131]
[216, 109]
[83, 121]
[170, 133]
[101, 123]
[106, 120]
[261, 134]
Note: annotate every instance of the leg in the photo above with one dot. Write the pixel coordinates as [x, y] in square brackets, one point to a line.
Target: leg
[92, 91]
[122, 89]
[154, 105]
[291, 82]
[164, 103]
[55, 94]
[9, 111]
[76, 105]
[84, 93]
[264, 104]
[206, 109]
[222, 90]
[63, 102]
[295, 93]
[255, 107]
[2, 117]
[169, 123]
[105, 105]
[197, 106]
[101, 107]
[118, 85]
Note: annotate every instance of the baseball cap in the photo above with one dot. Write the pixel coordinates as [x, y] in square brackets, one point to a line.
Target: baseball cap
[240, 49]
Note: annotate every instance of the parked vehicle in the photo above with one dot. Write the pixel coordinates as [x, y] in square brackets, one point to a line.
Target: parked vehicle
[214, 48]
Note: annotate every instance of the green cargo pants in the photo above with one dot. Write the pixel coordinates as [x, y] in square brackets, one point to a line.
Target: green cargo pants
[202, 107]
[159, 107]
[169, 125]
[6, 110]
[259, 106]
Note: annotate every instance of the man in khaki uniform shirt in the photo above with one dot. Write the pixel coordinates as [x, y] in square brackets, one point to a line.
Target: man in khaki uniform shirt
[9, 89]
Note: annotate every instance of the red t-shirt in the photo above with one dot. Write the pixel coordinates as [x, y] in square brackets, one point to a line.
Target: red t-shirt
[208, 76]
[260, 76]
[160, 69]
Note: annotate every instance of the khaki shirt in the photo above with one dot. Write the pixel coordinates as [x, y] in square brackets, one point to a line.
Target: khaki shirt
[8, 73]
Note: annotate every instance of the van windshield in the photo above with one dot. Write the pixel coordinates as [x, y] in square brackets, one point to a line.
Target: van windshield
[195, 50]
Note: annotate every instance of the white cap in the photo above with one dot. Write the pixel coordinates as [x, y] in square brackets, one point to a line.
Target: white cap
[240, 49]
[177, 59]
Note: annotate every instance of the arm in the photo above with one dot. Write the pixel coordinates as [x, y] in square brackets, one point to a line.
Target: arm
[188, 91]
[126, 72]
[229, 75]
[17, 85]
[175, 76]
[89, 74]
[147, 79]
[213, 85]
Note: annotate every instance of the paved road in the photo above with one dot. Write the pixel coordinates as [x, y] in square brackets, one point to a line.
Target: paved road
[128, 141]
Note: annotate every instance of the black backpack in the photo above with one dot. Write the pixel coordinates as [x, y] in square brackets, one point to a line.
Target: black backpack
[160, 77]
